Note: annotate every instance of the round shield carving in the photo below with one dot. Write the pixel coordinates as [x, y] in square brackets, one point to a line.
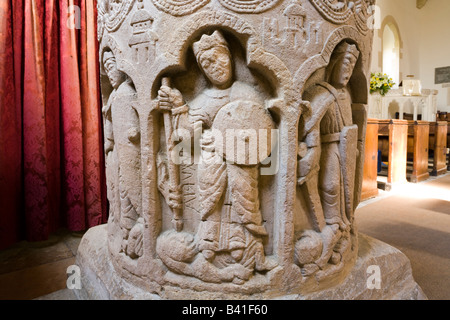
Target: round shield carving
[245, 130]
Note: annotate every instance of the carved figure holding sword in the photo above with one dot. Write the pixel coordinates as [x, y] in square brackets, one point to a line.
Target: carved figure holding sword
[175, 196]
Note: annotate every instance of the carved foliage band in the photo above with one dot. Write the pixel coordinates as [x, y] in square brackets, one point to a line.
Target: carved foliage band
[363, 12]
[341, 12]
[179, 7]
[184, 7]
[336, 12]
[113, 13]
[248, 6]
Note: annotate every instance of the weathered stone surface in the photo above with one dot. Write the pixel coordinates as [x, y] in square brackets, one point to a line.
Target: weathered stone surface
[397, 282]
[234, 143]
[100, 280]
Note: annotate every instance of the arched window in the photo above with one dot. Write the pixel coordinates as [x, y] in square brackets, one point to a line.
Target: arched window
[391, 49]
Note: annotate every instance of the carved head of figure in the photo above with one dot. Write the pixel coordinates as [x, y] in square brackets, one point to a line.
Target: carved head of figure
[344, 61]
[115, 76]
[214, 58]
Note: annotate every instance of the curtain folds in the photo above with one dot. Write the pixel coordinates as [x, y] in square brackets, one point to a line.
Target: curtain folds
[51, 159]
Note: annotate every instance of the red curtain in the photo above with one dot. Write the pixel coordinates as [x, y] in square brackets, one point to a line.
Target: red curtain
[51, 159]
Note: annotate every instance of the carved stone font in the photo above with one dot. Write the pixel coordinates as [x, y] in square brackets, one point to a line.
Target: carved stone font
[234, 143]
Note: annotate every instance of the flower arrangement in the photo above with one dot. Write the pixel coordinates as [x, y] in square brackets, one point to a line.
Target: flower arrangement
[380, 82]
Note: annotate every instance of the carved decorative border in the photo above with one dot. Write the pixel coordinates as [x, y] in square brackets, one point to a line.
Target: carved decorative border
[331, 11]
[362, 16]
[179, 7]
[248, 6]
[112, 22]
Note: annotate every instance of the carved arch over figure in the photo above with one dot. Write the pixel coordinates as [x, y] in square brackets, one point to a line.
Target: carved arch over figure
[249, 38]
[123, 64]
[322, 60]
[108, 44]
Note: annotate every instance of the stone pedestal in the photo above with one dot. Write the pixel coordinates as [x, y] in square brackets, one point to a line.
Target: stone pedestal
[234, 147]
[101, 281]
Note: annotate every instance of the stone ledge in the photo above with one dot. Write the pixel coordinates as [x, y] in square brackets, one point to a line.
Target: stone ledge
[101, 282]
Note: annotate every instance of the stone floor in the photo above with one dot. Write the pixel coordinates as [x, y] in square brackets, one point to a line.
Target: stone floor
[414, 218]
[32, 270]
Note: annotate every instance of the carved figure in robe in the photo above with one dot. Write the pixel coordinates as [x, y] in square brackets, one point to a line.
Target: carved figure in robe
[331, 140]
[231, 229]
[123, 152]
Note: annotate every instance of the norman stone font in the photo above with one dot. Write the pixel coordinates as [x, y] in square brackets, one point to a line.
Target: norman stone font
[234, 143]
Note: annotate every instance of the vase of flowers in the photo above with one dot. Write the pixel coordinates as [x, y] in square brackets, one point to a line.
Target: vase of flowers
[380, 83]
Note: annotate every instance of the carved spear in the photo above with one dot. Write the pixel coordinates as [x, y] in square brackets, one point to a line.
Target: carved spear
[174, 174]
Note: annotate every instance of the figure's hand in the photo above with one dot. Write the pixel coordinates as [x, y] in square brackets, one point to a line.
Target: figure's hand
[304, 167]
[307, 162]
[308, 166]
[175, 200]
[169, 98]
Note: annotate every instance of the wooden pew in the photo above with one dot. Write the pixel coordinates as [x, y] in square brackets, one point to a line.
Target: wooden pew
[418, 142]
[448, 143]
[370, 172]
[438, 143]
[442, 116]
[407, 116]
[393, 142]
[396, 139]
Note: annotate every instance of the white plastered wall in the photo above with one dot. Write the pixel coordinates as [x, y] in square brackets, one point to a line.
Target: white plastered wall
[424, 41]
[435, 47]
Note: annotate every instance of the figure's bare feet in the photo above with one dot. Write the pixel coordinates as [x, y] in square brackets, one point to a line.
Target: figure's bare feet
[208, 255]
[330, 236]
[237, 254]
[335, 258]
[309, 269]
[240, 273]
[266, 264]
